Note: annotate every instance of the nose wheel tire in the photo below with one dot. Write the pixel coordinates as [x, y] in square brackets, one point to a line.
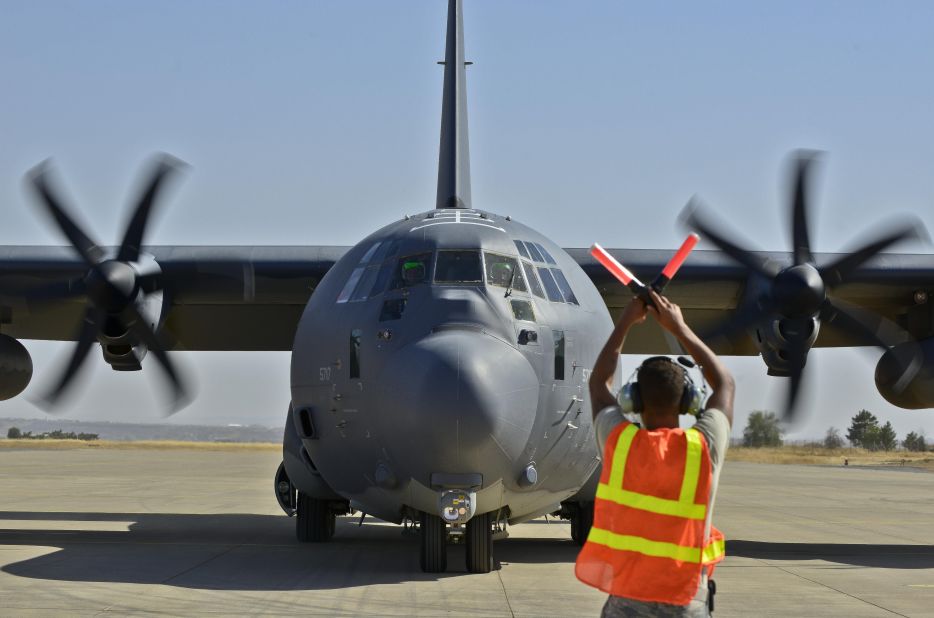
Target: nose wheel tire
[581, 521]
[479, 544]
[434, 545]
[314, 520]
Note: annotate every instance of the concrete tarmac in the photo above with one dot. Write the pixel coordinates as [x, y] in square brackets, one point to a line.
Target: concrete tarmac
[179, 532]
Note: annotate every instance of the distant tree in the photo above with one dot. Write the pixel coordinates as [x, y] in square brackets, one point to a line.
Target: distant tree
[13, 433]
[863, 430]
[762, 429]
[88, 436]
[833, 439]
[915, 442]
[888, 441]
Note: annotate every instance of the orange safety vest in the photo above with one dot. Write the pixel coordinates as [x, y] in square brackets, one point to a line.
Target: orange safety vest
[647, 540]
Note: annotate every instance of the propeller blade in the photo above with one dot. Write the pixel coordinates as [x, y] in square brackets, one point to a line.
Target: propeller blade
[838, 271]
[864, 326]
[801, 243]
[136, 228]
[138, 326]
[741, 321]
[692, 218]
[798, 353]
[86, 338]
[89, 250]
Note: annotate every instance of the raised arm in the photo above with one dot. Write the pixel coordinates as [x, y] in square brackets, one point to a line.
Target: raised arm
[601, 379]
[717, 375]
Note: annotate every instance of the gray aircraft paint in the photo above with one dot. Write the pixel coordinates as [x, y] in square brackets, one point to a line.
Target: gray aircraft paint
[454, 390]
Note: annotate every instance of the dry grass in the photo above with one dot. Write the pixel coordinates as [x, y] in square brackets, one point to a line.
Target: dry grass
[832, 457]
[139, 445]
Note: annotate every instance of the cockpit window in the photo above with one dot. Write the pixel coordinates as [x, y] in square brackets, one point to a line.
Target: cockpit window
[369, 254]
[348, 288]
[503, 271]
[564, 286]
[365, 285]
[458, 267]
[530, 276]
[551, 288]
[533, 252]
[522, 250]
[522, 310]
[544, 253]
[412, 270]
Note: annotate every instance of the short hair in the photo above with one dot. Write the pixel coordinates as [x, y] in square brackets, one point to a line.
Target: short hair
[661, 382]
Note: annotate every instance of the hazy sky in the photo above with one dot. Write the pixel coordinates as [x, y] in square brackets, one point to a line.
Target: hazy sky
[317, 122]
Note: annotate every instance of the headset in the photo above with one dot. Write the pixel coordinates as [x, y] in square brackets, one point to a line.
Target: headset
[692, 399]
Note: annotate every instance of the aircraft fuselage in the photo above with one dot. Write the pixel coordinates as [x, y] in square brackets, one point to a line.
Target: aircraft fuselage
[450, 349]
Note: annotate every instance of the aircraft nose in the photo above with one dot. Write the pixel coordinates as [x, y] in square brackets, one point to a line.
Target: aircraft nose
[459, 401]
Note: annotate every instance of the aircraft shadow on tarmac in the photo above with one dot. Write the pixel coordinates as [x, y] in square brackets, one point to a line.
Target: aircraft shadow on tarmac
[236, 551]
[855, 554]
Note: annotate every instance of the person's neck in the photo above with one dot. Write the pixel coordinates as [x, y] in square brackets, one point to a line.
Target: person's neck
[667, 419]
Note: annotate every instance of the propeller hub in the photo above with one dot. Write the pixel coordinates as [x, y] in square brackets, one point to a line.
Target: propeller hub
[112, 285]
[799, 291]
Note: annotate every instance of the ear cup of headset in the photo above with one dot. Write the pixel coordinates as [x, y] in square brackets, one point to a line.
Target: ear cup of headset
[630, 399]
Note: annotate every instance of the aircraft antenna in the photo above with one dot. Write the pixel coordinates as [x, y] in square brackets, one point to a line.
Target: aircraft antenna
[454, 155]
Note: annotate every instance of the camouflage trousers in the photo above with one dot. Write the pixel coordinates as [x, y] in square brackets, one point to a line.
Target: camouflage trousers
[621, 607]
[618, 607]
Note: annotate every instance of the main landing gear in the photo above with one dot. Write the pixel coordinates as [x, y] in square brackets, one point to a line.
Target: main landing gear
[478, 543]
[581, 516]
[315, 520]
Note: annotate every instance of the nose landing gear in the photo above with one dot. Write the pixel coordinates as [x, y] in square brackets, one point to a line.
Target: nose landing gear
[479, 544]
[434, 547]
[477, 535]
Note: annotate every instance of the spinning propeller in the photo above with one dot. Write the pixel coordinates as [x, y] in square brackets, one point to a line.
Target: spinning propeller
[797, 294]
[114, 286]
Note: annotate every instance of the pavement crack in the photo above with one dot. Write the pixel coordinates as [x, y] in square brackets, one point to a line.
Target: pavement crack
[852, 596]
[200, 564]
[499, 576]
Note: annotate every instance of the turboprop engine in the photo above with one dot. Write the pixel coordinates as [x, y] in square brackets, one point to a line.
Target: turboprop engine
[905, 375]
[15, 367]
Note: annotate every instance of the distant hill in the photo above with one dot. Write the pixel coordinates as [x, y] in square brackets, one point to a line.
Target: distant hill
[145, 431]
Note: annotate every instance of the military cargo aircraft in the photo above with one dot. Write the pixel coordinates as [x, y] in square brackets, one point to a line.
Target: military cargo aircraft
[439, 366]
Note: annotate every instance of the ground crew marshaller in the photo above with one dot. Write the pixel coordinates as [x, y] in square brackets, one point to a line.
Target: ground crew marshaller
[652, 546]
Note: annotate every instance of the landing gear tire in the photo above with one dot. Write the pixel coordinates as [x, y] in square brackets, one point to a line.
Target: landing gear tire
[314, 520]
[581, 521]
[479, 544]
[434, 549]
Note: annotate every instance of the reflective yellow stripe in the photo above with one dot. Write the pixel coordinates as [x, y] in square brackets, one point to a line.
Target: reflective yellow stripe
[658, 549]
[691, 467]
[620, 454]
[714, 550]
[652, 504]
[683, 507]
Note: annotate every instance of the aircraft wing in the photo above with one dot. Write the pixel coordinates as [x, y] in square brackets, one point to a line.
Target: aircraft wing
[710, 286]
[216, 298]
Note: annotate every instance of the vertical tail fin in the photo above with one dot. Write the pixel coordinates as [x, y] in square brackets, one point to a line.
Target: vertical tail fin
[454, 155]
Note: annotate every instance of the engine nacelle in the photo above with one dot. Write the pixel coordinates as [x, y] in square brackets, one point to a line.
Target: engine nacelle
[773, 340]
[15, 367]
[905, 375]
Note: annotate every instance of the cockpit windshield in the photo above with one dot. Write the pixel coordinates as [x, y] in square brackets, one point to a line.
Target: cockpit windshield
[503, 271]
[412, 270]
[458, 267]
